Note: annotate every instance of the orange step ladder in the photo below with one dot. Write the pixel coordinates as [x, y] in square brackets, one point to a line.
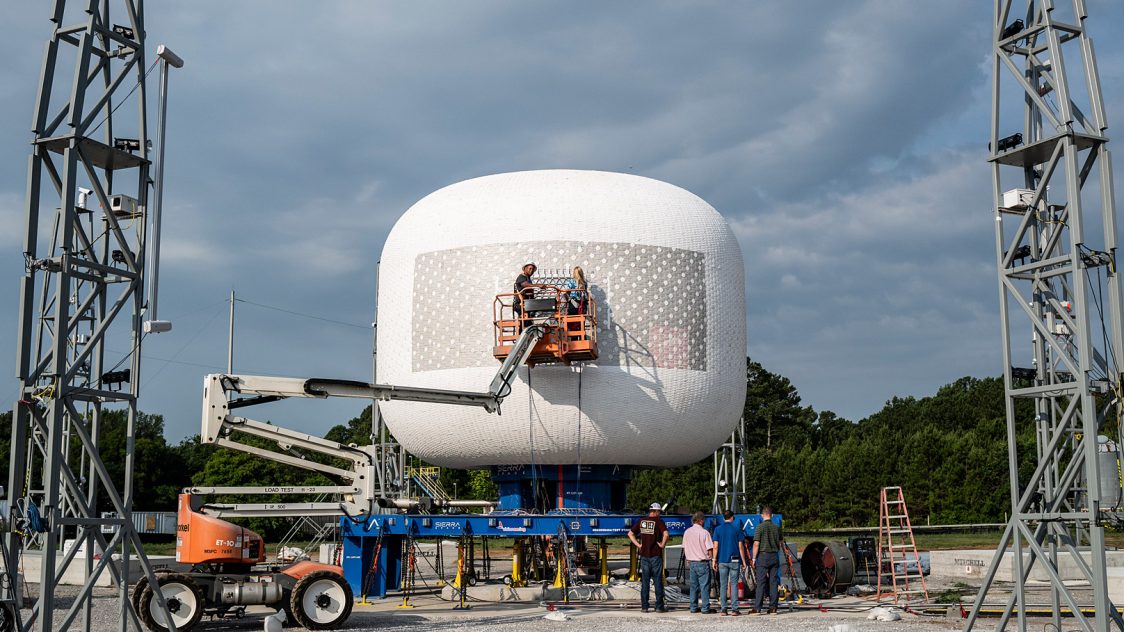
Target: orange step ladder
[896, 547]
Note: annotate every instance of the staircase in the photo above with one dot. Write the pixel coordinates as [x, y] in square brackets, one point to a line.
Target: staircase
[899, 566]
[428, 481]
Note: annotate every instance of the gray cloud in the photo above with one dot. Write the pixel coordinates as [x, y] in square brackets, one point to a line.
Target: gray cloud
[898, 275]
[11, 218]
[844, 141]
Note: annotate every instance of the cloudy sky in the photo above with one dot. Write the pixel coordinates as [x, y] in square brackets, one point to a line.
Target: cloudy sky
[844, 142]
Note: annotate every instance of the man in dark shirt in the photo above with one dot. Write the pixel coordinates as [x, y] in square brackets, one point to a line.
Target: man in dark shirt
[650, 535]
[767, 542]
[522, 282]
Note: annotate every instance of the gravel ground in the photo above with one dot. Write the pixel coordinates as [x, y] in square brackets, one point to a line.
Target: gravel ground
[433, 613]
[104, 613]
[610, 623]
[612, 620]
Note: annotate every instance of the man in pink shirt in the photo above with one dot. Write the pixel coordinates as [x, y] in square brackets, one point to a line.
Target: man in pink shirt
[698, 547]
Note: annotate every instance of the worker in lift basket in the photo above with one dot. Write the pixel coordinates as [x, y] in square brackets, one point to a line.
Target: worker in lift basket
[578, 292]
[522, 283]
[649, 534]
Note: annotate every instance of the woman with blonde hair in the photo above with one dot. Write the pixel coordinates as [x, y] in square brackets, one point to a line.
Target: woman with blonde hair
[578, 291]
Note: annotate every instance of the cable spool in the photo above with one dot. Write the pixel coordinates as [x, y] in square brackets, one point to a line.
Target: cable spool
[827, 567]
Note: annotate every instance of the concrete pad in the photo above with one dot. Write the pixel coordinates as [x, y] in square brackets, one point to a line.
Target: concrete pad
[1115, 583]
[498, 593]
[31, 564]
[973, 565]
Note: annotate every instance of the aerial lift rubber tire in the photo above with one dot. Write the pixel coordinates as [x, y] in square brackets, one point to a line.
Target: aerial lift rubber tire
[286, 606]
[185, 601]
[138, 590]
[321, 601]
[7, 617]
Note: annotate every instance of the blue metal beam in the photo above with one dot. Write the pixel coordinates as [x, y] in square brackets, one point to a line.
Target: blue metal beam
[372, 548]
[514, 525]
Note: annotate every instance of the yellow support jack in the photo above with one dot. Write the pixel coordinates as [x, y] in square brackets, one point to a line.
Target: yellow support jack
[603, 555]
[559, 574]
[560, 578]
[459, 584]
[363, 601]
[458, 581]
[517, 580]
[633, 563]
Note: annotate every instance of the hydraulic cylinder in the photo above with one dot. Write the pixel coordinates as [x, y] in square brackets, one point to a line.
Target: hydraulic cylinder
[633, 563]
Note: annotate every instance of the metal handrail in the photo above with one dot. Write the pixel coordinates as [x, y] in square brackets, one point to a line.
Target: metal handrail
[503, 311]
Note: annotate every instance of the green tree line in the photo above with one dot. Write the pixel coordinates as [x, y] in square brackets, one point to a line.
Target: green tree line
[948, 451]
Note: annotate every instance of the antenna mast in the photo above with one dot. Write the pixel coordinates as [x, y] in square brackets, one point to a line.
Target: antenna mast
[82, 293]
[1060, 304]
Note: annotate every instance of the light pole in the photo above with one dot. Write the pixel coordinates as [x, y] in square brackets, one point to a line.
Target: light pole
[153, 325]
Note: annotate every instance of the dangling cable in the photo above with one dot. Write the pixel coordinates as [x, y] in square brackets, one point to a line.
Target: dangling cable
[148, 72]
[581, 369]
[531, 428]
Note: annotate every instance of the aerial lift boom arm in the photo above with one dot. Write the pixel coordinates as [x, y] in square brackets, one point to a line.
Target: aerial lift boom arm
[223, 394]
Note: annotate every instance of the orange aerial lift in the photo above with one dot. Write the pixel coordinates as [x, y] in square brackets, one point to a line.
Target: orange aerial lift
[227, 561]
[227, 574]
[567, 319]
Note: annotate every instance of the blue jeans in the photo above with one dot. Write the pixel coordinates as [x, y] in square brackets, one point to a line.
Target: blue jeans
[700, 586]
[728, 575]
[651, 568]
[767, 564]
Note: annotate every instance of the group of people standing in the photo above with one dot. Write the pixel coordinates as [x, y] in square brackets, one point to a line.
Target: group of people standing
[722, 552]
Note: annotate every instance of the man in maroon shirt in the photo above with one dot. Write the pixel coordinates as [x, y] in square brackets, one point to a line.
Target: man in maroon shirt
[650, 535]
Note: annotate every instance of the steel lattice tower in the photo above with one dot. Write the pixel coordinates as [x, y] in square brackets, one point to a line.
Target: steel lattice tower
[1061, 330]
[729, 473]
[82, 294]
